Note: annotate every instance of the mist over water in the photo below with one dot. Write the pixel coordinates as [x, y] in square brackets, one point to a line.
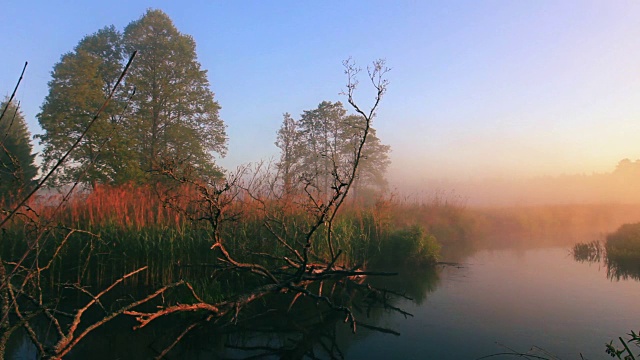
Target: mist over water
[619, 186]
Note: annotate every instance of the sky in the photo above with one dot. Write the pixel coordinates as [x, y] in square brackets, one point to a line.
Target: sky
[478, 89]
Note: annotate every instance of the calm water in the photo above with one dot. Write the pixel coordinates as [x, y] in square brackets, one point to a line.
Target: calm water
[512, 299]
[491, 302]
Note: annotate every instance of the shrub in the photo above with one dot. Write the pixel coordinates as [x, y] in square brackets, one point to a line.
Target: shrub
[590, 252]
[624, 243]
[411, 246]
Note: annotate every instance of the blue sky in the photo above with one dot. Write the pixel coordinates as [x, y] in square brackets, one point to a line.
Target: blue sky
[478, 88]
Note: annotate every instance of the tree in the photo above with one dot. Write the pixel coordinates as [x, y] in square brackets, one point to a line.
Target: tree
[321, 133]
[288, 142]
[322, 146]
[165, 110]
[175, 114]
[374, 159]
[17, 168]
[79, 85]
[628, 169]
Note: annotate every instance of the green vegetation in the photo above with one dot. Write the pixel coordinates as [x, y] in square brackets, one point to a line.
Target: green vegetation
[621, 252]
[624, 243]
[113, 235]
[410, 246]
[321, 147]
[625, 353]
[164, 109]
[17, 168]
[173, 223]
[589, 252]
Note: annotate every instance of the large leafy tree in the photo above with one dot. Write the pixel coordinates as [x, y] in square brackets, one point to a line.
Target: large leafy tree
[79, 86]
[174, 110]
[321, 147]
[17, 168]
[163, 111]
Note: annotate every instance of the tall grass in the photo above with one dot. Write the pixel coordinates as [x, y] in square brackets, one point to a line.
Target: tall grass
[125, 227]
[133, 227]
[122, 228]
[127, 206]
[129, 226]
[589, 252]
[624, 243]
[623, 252]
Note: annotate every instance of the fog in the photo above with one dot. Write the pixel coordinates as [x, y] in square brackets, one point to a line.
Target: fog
[620, 185]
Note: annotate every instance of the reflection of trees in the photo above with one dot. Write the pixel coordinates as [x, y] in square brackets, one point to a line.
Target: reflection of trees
[280, 334]
[281, 326]
[414, 284]
[286, 328]
[619, 264]
[622, 268]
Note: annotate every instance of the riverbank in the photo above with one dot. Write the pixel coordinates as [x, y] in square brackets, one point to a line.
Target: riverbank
[98, 236]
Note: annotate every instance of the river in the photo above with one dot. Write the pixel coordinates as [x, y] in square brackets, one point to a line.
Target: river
[538, 301]
[507, 300]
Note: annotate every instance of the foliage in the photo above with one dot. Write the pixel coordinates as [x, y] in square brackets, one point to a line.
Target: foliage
[410, 246]
[627, 169]
[625, 352]
[624, 243]
[45, 259]
[590, 252]
[17, 168]
[619, 253]
[165, 108]
[125, 234]
[446, 219]
[288, 141]
[623, 252]
[174, 111]
[80, 83]
[322, 145]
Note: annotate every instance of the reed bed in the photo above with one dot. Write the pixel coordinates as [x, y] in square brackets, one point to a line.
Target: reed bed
[117, 229]
[621, 252]
[624, 243]
[99, 235]
[588, 252]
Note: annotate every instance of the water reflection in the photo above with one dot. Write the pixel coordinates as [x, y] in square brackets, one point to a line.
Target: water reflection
[520, 298]
[279, 327]
[415, 284]
[618, 267]
[588, 252]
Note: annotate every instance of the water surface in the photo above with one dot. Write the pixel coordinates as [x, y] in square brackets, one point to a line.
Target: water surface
[493, 301]
[511, 299]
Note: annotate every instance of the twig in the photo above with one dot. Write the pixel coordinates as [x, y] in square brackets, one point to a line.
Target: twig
[13, 94]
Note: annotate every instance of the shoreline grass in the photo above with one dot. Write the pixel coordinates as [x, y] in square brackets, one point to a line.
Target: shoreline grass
[121, 228]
